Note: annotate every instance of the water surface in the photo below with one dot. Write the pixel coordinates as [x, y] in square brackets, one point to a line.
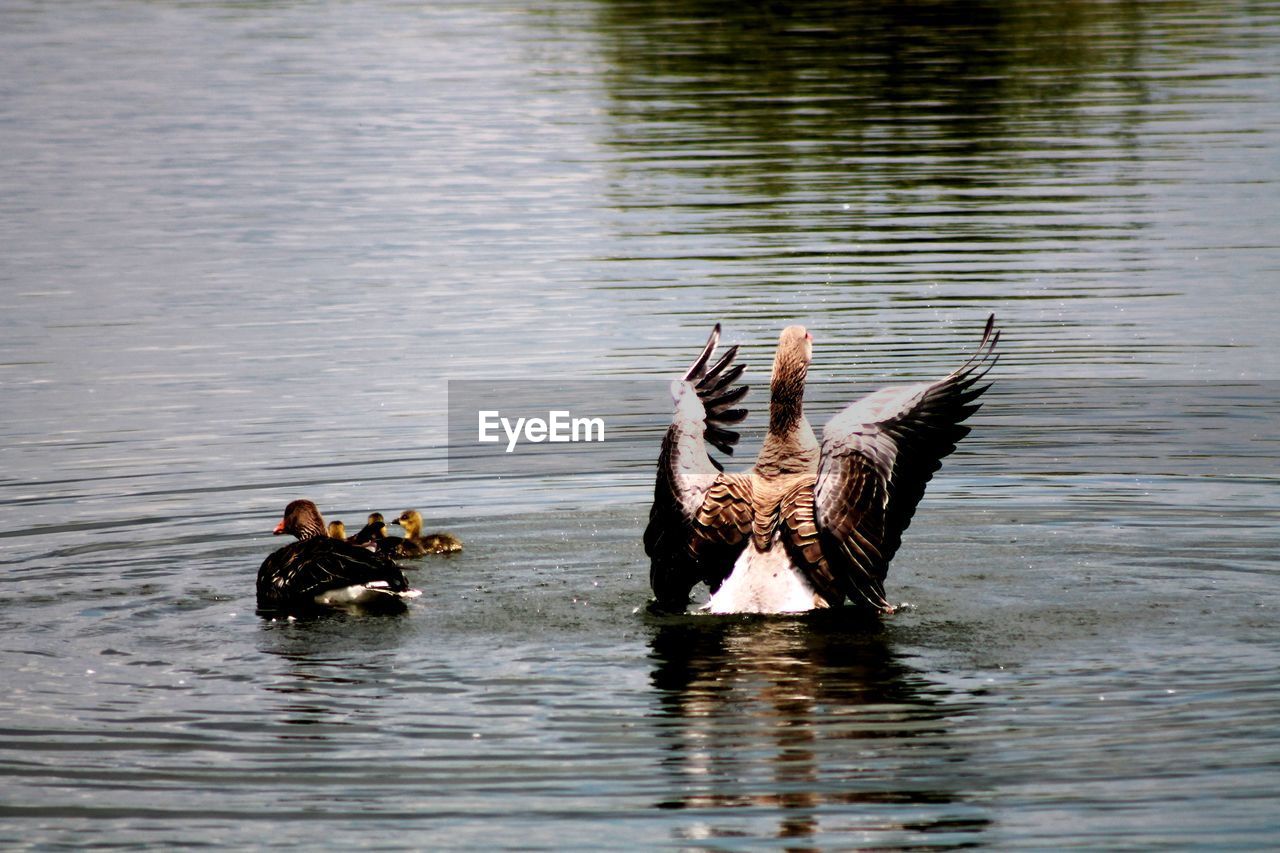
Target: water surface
[247, 247]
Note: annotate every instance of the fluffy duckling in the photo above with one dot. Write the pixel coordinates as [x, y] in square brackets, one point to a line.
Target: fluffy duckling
[374, 537]
[432, 543]
[374, 528]
[337, 530]
[320, 571]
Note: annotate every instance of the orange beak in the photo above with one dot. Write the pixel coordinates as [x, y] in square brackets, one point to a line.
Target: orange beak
[279, 528]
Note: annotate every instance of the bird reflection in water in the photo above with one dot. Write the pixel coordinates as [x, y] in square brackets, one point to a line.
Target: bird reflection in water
[335, 671]
[809, 729]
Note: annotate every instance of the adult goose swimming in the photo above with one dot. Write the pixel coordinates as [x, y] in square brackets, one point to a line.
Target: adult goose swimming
[811, 524]
[319, 571]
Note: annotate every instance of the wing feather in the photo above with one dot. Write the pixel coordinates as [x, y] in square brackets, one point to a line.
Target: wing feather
[878, 456]
[297, 572]
[803, 541]
[700, 516]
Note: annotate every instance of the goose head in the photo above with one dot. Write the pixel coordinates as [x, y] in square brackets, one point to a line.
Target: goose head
[790, 367]
[301, 519]
[795, 351]
[411, 521]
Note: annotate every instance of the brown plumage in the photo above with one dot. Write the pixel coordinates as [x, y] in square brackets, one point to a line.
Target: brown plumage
[811, 524]
[318, 571]
[417, 545]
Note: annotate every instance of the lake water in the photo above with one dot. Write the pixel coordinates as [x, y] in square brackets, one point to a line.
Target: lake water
[246, 249]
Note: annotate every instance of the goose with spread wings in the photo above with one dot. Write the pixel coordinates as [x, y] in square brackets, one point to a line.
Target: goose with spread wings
[812, 524]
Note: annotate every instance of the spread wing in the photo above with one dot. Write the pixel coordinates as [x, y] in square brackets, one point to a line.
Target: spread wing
[877, 457]
[701, 517]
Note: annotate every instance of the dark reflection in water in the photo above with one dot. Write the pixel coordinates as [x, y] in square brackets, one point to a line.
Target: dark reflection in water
[856, 80]
[876, 103]
[334, 670]
[872, 158]
[817, 726]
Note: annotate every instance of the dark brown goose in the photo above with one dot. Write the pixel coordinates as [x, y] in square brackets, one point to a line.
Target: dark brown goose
[320, 571]
[811, 524]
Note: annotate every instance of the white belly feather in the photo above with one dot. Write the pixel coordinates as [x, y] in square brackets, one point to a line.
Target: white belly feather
[361, 594]
[764, 582]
